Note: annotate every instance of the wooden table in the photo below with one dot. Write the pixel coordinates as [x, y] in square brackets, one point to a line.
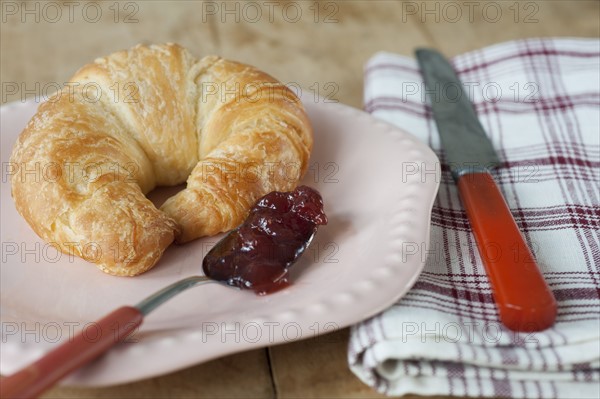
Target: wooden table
[323, 51]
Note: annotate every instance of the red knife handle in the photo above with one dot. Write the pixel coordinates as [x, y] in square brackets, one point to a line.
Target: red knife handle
[524, 300]
[79, 350]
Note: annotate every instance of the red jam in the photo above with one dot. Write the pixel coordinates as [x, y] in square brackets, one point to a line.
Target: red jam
[258, 254]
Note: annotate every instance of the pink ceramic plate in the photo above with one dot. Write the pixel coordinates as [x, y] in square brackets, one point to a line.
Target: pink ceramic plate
[378, 190]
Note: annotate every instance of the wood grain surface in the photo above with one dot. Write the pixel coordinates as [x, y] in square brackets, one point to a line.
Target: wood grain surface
[319, 46]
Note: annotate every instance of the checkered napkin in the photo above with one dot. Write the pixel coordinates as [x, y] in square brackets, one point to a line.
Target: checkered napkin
[539, 102]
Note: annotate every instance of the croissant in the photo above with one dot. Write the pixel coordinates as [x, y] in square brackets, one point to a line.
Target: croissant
[155, 116]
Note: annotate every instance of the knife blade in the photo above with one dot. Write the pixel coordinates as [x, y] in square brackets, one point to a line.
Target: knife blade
[523, 298]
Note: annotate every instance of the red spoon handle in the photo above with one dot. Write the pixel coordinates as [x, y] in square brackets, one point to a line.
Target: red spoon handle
[79, 350]
[523, 298]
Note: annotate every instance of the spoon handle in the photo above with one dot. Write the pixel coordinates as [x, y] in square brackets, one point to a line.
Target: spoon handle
[84, 347]
[77, 351]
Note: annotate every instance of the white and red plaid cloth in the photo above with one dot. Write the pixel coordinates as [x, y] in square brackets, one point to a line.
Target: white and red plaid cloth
[539, 102]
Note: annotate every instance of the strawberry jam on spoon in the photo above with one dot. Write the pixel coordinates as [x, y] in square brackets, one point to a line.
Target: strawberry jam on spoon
[258, 254]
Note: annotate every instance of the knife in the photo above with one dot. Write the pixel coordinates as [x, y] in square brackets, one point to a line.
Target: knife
[524, 300]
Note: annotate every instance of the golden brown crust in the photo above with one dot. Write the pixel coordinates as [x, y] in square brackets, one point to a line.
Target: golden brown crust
[154, 115]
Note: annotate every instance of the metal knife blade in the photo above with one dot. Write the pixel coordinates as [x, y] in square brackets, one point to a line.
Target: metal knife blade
[467, 147]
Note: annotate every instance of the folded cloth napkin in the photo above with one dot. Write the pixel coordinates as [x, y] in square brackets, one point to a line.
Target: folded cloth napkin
[539, 102]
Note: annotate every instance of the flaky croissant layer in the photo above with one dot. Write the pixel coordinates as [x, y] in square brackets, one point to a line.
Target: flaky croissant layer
[155, 116]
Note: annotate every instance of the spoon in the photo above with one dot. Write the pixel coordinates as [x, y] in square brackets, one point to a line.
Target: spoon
[247, 271]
